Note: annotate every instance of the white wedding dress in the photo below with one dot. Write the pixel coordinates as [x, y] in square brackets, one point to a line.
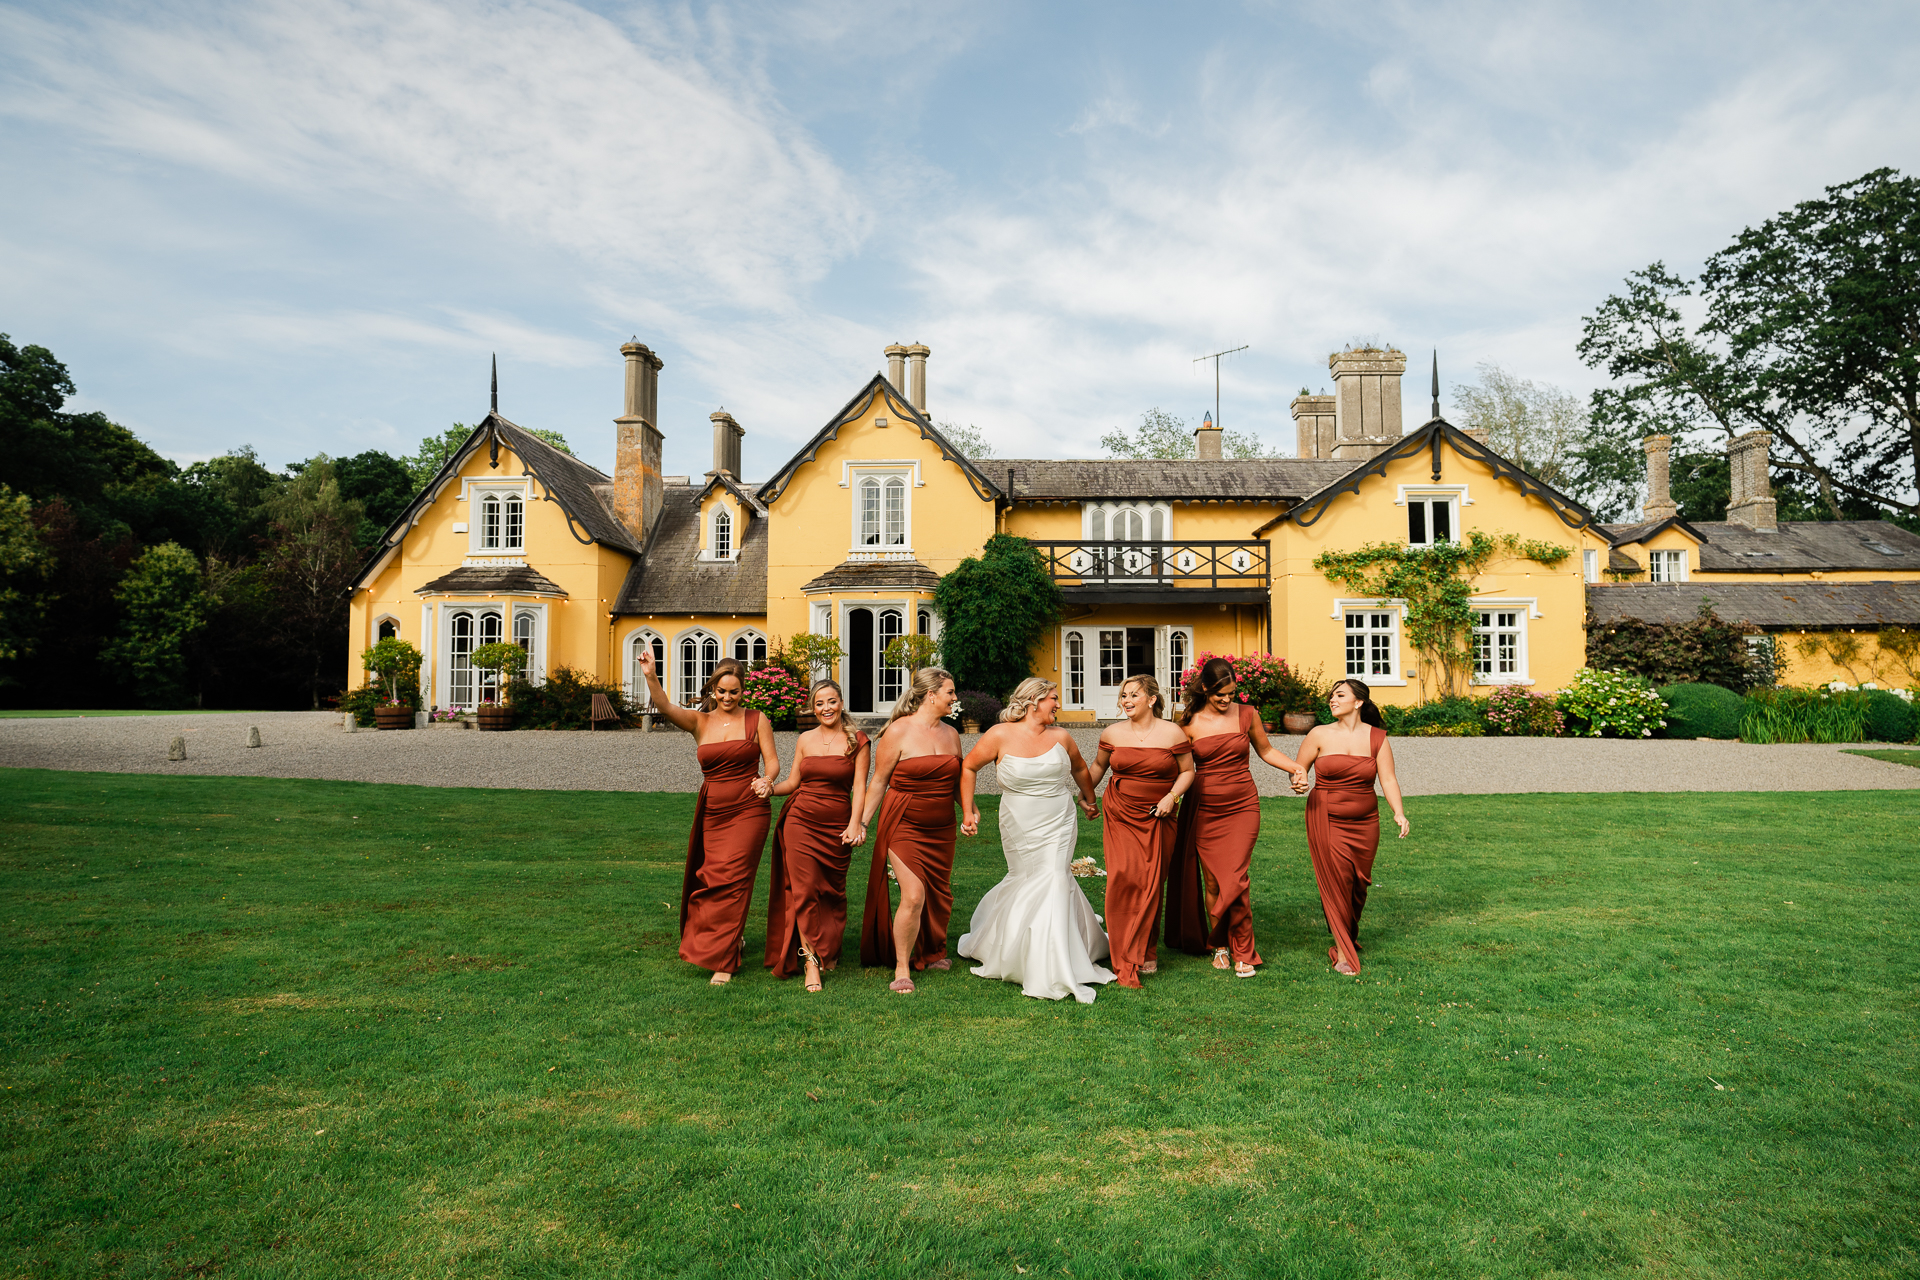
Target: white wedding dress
[1035, 927]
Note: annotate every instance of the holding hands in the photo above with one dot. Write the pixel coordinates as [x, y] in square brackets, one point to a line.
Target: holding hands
[1090, 807]
[970, 822]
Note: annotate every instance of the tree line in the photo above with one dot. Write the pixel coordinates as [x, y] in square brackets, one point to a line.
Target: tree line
[127, 579]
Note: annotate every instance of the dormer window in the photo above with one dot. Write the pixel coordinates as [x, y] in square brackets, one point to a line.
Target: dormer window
[503, 523]
[882, 512]
[722, 534]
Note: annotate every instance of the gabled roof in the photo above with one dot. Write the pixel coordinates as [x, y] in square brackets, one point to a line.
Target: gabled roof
[1429, 438]
[983, 486]
[1171, 480]
[721, 480]
[568, 482]
[1776, 605]
[1619, 535]
[672, 578]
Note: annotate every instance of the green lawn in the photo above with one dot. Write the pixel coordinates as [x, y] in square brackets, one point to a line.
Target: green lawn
[1891, 755]
[273, 1028]
[73, 715]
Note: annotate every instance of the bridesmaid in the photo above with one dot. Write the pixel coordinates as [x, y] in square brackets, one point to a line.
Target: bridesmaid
[1152, 763]
[1219, 822]
[1343, 815]
[917, 774]
[807, 892]
[730, 818]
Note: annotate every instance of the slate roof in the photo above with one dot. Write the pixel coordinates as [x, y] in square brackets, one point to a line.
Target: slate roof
[977, 478]
[1620, 534]
[671, 577]
[477, 579]
[1257, 479]
[1776, 605]
[876, 575]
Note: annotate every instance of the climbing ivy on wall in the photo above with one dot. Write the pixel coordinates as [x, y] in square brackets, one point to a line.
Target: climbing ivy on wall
[1435, 582]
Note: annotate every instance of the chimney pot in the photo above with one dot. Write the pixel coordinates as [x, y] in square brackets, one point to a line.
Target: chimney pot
[726, 443]
[917, 376]
[1206, 440]
[897, 367]
[1366, 401]
[1752, 503]
[1660, 504]
[1313, 425]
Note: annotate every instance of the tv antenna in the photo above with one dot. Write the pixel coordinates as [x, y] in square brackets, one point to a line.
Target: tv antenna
[1215, 357]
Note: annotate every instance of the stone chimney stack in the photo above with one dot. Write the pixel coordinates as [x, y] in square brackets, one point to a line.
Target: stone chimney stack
[1206, 440]
[917, 376]
[637, 491]
[726, 443]
[1752, 503]
[1313, 426]
[1366, 402]
[1660, 504]
[897, 367]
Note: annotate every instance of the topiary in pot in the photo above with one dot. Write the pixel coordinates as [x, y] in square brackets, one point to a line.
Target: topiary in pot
[505, 660]
[1702, 711]
[1889, 717]
[981, 708]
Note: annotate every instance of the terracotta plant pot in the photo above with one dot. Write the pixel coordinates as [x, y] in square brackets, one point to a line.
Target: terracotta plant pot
[969, 726]
[495, 718]
[393, 717]
[1299, 722]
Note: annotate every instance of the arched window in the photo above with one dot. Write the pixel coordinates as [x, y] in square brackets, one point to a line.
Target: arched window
[892, 679]
[925, 621]
[516, 534]
[722, 534]
[636, 679]
[896, 512]
[459, 669]
[1128, 526]
[492, 628]
[750, 647]
[1097, 525]
[1076, 669]
[490, 523]
[869, 513]
[526, 635]
[389, 629]
[699, 655]
[1176, 661]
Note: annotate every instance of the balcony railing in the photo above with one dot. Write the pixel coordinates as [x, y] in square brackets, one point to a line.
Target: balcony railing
[1242, 567]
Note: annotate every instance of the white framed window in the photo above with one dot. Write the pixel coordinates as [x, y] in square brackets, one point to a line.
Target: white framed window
[646, 640]
[530, 633]
[893, 680]
[386, 627]
[1076, 669]
[1113, 658]
[1432, 518]
[821, 618]
[722, 541]
[1179, 646]
[923, 621]
[1590, 565]
[500, 519]
[1373, 644]
[1126, 522]
[750, 647]
[1500, 646]
[695, 655]
[468, 629]
[882, 513]
[1666, 566]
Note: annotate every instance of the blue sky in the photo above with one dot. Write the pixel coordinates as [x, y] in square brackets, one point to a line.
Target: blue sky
[306, 226]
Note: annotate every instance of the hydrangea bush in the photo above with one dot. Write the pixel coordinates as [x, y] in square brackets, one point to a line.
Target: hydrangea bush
[1516, 713]
[1612, 704]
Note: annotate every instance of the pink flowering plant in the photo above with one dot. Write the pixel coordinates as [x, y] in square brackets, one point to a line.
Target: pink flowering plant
[1265, 680]
[774, 692]
[1513, 712]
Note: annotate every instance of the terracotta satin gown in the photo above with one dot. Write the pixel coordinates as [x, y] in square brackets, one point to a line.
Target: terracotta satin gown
[1138, 845]
[1219, 821]
[918, 826]
[807, 891]
[723, 852]
[1343, 835]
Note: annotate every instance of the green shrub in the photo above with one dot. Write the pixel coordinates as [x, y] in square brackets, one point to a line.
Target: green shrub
[1513, 712]
[1703, 711]
[1889, 717]
[563, 701]
[981, 707]
[363, 700]
[1611, 704]
[1451, 712]
[1804, 715]
[1704, 650]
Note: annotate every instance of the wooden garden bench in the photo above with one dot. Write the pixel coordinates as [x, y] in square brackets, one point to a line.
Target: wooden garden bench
[603, 711]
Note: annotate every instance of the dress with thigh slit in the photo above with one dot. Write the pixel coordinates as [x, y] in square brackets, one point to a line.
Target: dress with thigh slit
[1137, 845]
[1343, 835]
[723, 852]
[807, 892]
[917, 825]
[1219, 822]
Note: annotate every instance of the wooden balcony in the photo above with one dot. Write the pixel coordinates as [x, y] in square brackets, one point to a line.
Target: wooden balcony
[1238, 572]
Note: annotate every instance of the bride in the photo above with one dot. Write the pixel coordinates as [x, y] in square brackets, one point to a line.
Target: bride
[1034, 927]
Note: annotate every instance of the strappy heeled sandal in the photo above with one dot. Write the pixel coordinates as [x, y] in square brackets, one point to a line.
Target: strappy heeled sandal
[808, 956]
[1245, 970]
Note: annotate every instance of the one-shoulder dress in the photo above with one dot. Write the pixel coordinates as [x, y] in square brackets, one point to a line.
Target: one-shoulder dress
[807, 891]
[917, 825]
[1137, 845]
[723, 852]
[1343, 835]
[1219, 822]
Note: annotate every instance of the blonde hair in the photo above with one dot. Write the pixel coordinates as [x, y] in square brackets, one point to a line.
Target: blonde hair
[925, 681]
[853, 742]
[1150, 687]
[1025, 694]
[726, 667]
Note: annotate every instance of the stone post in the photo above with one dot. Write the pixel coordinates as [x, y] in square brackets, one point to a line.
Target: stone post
[1313, 426]
[1660, 503]
[1752, 502]
[637, 490]
[917, 376]
[1366, 402]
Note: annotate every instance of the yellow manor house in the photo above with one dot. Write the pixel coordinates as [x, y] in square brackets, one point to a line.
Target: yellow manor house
[1157, 560]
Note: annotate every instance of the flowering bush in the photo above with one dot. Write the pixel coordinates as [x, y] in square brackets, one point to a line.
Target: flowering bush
[775, 693]
[1612, 704]
[1513, 712]
[1264, 680]
[442, 715]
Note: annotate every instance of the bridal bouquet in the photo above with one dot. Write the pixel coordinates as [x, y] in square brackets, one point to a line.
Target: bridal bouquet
[1084, 868]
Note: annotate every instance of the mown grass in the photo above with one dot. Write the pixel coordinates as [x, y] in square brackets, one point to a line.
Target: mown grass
[1892, 755]
[34, 714]
[276, 1028]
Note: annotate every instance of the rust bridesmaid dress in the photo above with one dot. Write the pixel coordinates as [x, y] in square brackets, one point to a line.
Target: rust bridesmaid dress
[917, 823]
[723, 852]
[1138, 845]
[1343, 835]
[1219, 821]
[807, 891]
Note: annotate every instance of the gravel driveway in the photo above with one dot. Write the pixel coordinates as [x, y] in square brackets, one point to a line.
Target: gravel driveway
[303, 744]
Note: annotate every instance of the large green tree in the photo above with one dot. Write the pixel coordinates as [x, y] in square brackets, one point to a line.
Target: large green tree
[993, 609]
[1807, 326]
[309, 559]
[164, 608]
[26, 562]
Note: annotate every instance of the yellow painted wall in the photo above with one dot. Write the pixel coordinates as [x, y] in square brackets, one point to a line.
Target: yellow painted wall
[1857, 657]
[1308, 634]
[576, 625]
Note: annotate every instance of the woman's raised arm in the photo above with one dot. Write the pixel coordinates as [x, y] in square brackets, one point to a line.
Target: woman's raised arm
[679, 717]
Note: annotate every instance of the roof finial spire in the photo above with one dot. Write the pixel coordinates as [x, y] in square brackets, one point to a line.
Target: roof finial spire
[496, 382]
[1436, 382]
